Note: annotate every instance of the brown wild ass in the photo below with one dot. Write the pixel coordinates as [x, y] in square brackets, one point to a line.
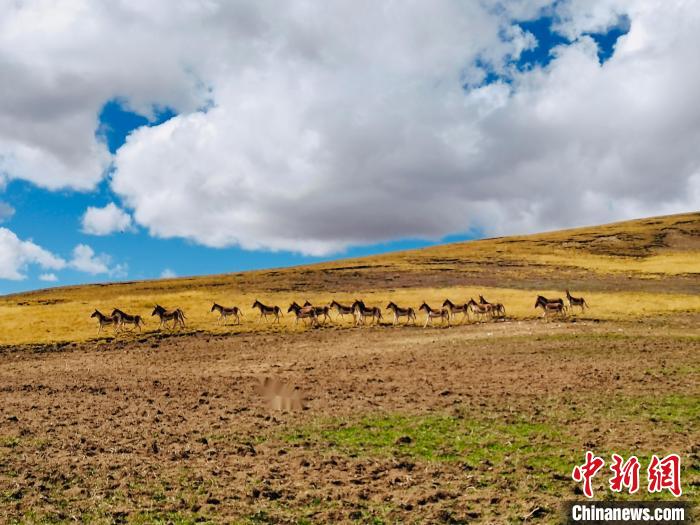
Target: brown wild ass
[124, 318]
[265, 310]
[342, 309]
[455, 309]
[552, 308]
[324, 311]
[544, 299]
[480, 310]
[576, 301]
[361, 311]
[434, 313]
[177, 316]
[497, 308]
[303, 312]
[409, 313]
[104, 320]
[227, 311]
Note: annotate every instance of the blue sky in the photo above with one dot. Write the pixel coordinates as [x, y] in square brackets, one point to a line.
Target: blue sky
[302, 127]
[52, 220]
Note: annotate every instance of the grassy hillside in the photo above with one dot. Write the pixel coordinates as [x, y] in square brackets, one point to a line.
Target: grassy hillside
[628, 269]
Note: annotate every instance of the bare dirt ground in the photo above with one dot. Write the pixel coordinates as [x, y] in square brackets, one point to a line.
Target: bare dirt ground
[479, 423]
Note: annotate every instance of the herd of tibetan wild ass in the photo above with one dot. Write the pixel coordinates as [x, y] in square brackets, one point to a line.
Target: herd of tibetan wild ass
[359, 311]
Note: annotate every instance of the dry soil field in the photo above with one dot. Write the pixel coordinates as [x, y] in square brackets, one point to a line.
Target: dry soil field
[480, 422]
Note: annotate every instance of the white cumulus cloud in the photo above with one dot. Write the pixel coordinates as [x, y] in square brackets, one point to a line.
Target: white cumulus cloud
[103, 221]
[86, 260]
[167, 273]
[16, 255]
[315, 126]
[315, 144]
[54, 53]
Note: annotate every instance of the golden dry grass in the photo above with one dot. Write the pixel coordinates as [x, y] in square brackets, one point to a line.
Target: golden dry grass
[611, 265]
[70, 321]
[658, 266]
